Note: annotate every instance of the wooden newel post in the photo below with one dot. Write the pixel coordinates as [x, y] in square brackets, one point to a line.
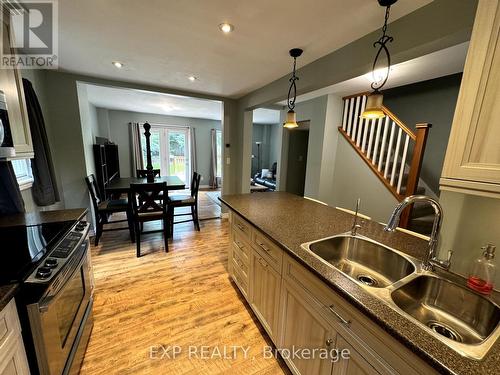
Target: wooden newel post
[150, 175]
[422, 133]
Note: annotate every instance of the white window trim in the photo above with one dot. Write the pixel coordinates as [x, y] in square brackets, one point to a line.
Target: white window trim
[24, 181]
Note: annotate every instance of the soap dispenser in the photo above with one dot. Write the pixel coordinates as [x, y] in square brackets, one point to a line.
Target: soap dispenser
[483, 271]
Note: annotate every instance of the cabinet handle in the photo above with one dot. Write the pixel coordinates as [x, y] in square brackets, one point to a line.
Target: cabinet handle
[329, 342]
[261, 260]
[240, 227]
[339, 317]
[264, 247]
[240, 246]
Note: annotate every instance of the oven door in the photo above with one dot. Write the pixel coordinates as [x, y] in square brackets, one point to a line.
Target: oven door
[56, 318]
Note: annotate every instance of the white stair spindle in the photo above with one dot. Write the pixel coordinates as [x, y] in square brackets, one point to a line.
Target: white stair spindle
[349, 120]
[384, 139]
[346, 110]
[389, 150]
[370, 125]
[376, 146]
[396, 156]
[355, 118]
[403, 163]
[362, 122]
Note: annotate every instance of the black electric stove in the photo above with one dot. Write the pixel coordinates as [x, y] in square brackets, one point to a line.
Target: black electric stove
[24, 248]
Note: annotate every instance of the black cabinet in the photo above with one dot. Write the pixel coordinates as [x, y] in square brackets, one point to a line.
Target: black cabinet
[107, 166]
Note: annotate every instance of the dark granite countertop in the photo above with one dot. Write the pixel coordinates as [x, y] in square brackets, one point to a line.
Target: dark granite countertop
[33, 218]
[7, 292]
[291, 220]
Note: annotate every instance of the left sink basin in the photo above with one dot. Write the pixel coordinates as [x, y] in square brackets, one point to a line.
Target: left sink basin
[367, 262]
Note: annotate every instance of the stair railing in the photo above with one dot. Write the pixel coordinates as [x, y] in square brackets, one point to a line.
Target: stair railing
[393, 151]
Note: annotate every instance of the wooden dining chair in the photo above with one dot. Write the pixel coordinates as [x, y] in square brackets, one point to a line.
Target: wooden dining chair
[105, 208]
[176, 201]
[148, 202]
[143, 173]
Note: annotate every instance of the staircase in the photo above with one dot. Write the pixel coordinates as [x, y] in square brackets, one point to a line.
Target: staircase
[394, 153]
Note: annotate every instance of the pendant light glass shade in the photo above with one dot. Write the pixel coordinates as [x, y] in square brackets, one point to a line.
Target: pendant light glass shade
[373, 108]
[291, 120]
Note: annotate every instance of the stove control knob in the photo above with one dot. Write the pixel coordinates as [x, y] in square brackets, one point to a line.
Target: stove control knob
[43, 273]
[51, 263]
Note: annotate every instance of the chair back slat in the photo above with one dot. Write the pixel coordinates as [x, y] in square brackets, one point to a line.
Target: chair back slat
[145, 197]
[93, 190]
[143, 173]
[195, 184]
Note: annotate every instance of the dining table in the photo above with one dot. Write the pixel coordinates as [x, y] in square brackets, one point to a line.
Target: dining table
[121, 185]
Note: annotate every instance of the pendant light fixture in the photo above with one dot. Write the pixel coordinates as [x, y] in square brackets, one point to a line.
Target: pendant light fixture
[373, 108]
[291, 117]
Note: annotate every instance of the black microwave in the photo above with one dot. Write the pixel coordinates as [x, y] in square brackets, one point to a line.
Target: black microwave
[6, 144]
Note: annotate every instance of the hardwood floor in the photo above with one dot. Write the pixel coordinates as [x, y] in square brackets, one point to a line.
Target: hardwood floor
[182, 298]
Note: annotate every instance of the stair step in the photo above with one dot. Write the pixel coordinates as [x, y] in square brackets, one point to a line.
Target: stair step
[420, 190]
[421, 210]
[422, 224]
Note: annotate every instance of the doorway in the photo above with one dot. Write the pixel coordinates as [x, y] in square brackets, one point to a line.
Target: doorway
[297, 159]
[170, 151]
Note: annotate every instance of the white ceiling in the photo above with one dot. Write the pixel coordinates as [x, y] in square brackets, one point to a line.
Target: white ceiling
[162, 42]
[437, 64]
[166, 104]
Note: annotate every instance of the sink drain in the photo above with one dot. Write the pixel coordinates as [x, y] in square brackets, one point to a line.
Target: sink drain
[444, 330]
[367, 280]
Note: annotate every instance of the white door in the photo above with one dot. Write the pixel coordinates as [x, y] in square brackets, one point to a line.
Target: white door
[170, 151]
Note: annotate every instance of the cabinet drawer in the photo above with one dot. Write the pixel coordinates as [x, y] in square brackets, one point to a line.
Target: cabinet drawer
[271, 252]
[242, 227]
[239, 264]
[242, 246]
[240, 281]
[9, 322]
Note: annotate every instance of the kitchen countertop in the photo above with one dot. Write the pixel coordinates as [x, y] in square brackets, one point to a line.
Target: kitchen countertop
[7, 292]
[41, 217]
[291, 220]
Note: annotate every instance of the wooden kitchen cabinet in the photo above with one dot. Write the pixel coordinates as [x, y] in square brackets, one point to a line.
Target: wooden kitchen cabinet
[472, 162]
[302, 327]
[12, 86]
[265, 283]
[13, 359]
[356, 364]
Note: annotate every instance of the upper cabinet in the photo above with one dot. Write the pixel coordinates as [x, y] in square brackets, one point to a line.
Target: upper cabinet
[472, 163]
[11, 84]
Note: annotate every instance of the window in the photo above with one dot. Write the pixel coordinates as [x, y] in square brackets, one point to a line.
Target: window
[218, 141]
[24, 175]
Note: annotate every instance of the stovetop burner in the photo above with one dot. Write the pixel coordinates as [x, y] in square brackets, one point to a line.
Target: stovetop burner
[23, 247]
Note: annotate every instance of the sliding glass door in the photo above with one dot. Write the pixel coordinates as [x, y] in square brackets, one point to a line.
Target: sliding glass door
[170, 151]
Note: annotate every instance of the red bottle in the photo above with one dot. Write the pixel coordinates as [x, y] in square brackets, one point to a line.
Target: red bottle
[482, 275]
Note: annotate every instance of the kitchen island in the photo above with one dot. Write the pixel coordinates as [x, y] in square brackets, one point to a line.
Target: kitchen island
[280, 222]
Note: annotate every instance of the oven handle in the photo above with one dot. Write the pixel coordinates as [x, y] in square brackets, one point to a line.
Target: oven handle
[44, 303]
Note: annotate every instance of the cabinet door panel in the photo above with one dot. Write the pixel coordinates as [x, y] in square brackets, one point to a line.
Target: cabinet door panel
[265, 293]
[473, 152]
[355, 365]
[11, 84]
[303, 327]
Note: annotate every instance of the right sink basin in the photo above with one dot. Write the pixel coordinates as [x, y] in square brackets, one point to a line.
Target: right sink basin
[449, 310]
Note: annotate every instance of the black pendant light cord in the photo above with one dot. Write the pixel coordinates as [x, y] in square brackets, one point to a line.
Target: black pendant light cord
[381, 44]
[293, 87]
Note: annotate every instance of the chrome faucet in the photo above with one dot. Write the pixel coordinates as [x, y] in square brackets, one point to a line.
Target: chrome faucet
[355, 225]
[431, 259]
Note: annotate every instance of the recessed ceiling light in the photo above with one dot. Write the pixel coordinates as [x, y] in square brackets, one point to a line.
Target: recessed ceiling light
[118, 64]
[192, 78]
[226, 28]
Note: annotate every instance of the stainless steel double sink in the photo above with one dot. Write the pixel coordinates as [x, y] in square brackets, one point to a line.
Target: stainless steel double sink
[464, 320]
